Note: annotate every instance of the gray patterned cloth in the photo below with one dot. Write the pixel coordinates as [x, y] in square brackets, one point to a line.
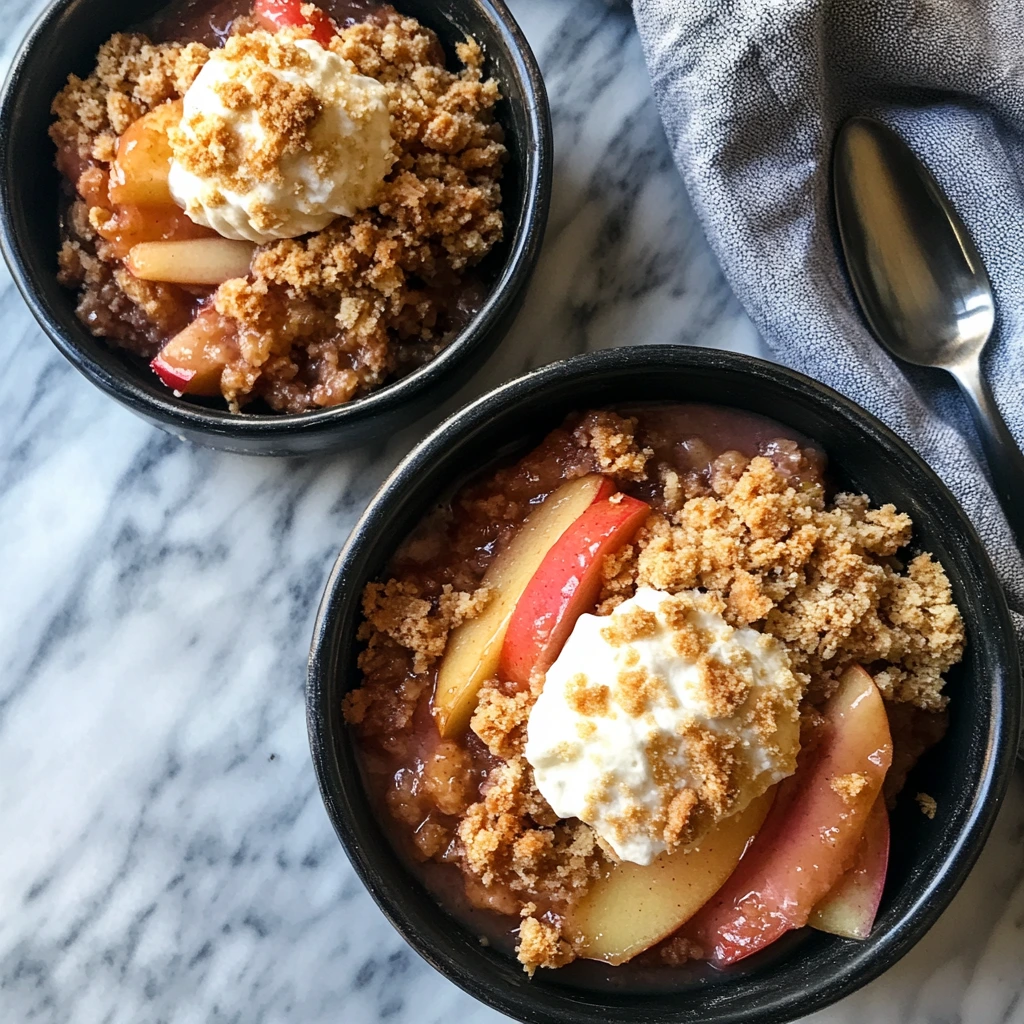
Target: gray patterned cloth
[752, 93]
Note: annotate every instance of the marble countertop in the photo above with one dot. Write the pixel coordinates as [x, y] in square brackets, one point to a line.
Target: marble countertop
[166, 856]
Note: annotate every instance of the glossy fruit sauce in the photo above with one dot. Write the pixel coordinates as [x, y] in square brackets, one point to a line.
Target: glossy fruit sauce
[455, 544]
[207, 22]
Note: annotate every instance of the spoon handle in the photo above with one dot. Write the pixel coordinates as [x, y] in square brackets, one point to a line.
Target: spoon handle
[1005, 461]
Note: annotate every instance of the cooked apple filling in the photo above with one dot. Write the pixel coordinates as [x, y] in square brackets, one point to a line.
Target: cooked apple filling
[651, 663]
[292, 217]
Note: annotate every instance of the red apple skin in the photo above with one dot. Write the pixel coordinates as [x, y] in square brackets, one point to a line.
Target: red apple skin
[277, 14]
[194, 359]
[850, 907]
[811, 836]
[566, 585]
[175, 377]
[473, 652]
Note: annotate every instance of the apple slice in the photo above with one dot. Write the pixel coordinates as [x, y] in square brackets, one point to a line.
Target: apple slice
[565, 586]
[203, 261]
[634, 906]
[194, 359]
[810, 838]
[850, 907]
[474, 648]
[129, 226]
[278, 14]
[138, 175]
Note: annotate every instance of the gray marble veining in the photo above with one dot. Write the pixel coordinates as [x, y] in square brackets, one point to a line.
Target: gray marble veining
[165, 855]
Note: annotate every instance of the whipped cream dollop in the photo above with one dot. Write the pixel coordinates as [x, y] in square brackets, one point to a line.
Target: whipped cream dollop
[278, 137]
[660, 720]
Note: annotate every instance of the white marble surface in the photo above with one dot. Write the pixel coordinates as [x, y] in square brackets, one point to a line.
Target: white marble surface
[165, 855]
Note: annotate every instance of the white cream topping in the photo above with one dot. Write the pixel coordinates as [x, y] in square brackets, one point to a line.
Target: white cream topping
[660, 720]
[336, 170]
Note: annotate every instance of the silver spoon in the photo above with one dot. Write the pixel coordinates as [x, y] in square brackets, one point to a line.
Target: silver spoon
[920, 281]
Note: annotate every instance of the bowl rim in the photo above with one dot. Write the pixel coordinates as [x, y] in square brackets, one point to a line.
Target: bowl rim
[1004, 720]
[161, 405]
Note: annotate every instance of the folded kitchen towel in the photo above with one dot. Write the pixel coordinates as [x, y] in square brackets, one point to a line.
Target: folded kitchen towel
[752, 93]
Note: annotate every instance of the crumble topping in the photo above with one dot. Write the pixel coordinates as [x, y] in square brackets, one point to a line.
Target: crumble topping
[132, 76]
[592, 701]
[618, 579]
[395, 613]
[823, 580]
[624, 628]
[512, 840]
[847, 787]
[500, 719]
[927, 804]
[612, 440]
[404, 633]
[540, 943]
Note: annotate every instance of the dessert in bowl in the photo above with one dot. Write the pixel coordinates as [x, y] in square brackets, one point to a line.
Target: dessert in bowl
[635, 702]
[281, 225]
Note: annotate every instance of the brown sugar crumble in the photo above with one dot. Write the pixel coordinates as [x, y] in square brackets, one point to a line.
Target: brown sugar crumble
[397, 611]
[323, 318]
[820, 578]
[927, 804]
[613, 442]
[585, 699]
[847, 787]
[635, 624]
[751, 537]
[540, 943]
[676, 951]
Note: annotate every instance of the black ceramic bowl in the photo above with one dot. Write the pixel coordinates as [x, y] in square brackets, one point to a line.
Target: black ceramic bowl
[65, 39]
[967, 772]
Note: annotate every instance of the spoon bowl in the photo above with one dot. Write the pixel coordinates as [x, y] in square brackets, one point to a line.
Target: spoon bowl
[914, 267]
[920, 281]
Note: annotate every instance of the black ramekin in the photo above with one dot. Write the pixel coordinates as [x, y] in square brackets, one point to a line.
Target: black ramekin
[967, 773]
[65, 40]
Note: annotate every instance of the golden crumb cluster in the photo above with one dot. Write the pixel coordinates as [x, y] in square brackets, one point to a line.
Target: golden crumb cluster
[513, 842]
[753, 540]
[323, 318]
[847, 787]
[396, 611]
[405, 633]
[541, 943]
[820, 578]
[132, 76]
[613, 440]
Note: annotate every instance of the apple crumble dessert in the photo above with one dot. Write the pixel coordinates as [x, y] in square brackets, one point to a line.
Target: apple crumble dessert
[647, 690]
[284, 205]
